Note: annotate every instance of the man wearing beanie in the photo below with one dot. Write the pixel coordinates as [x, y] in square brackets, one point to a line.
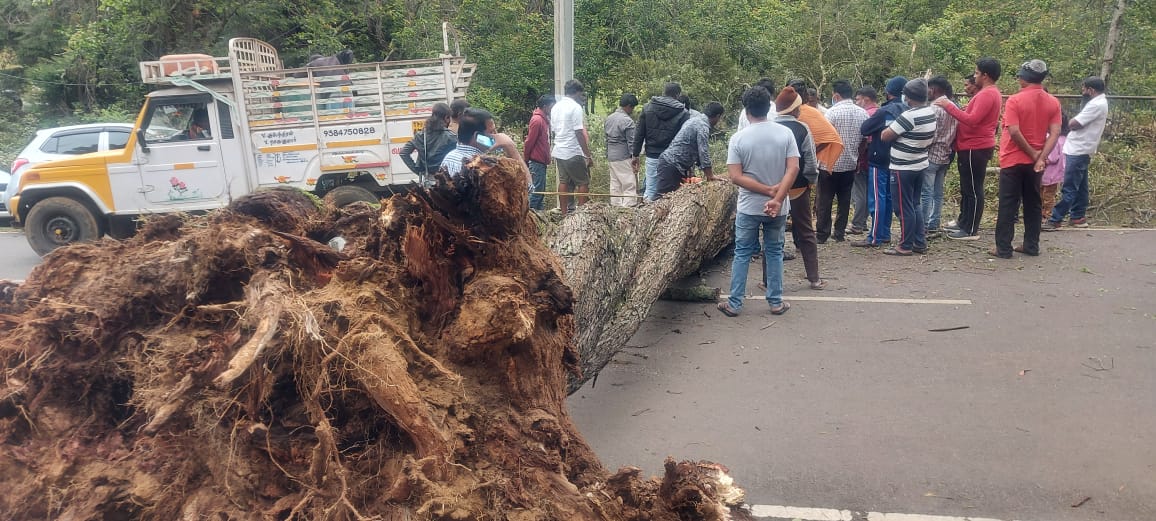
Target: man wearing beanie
[911, 133]
[879, 165]
[1031, 126]
[763, 161]
[788, 105]
[974, 144]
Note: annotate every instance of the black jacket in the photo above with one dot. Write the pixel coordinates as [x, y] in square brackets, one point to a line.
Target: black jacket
[800, 131]
[659, 123]
[879, 151]
[431, 150]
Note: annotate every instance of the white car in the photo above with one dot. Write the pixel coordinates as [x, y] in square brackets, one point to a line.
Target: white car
[63, 142]
[5, 215]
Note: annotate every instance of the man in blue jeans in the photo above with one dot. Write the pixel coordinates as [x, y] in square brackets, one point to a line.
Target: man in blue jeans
[763, 160]
[939, 155]
[536, 149]
[878, 165]
[1083, 140]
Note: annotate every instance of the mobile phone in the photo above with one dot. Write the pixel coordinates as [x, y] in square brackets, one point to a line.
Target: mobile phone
[485, 140]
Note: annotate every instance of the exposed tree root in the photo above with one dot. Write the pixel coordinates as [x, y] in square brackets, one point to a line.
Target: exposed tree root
[233, 367]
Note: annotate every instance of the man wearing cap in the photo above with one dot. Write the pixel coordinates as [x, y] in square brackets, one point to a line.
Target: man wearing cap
[1031, 126]
[911, 135]
[879, 165]
[763, 160]
[974, 144]
[788, 106]
[1083, 140]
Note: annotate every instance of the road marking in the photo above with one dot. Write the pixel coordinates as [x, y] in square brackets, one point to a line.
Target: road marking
[1071, 229]
[830, 514]
[876, 516]
[809, 514]
[878, 300]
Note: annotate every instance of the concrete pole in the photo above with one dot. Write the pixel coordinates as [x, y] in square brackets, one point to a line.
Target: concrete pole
[563, 43]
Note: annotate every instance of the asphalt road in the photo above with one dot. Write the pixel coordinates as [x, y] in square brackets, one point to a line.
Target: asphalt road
[16, 258]
[1047, 397]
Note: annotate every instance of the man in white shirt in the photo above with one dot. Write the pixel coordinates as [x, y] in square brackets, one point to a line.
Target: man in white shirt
[846, 117]
[1083, 140]
[571, 150]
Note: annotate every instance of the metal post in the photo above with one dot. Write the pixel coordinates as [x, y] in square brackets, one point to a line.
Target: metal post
[563, 43]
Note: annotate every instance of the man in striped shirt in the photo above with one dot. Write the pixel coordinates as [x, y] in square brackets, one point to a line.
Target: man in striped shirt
[912, 133]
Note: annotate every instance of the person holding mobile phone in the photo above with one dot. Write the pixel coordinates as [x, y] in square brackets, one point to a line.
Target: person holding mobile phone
[500, 143]
[477, 135]
[473, 125]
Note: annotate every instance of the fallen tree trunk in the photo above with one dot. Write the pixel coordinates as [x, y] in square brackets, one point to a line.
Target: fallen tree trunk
[234, 367]
[619, 260]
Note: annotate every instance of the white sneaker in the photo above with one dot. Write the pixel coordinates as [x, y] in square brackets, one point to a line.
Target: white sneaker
[961, 235]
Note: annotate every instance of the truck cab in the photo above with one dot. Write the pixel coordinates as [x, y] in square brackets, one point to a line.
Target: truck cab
[217, 128]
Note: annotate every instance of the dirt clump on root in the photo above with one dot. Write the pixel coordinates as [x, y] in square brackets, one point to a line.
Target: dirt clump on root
[235, 367]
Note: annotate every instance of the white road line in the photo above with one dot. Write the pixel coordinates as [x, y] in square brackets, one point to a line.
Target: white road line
[865, 299]
[876, 516]
[830, 514]
[1067, 228]
[808, 514]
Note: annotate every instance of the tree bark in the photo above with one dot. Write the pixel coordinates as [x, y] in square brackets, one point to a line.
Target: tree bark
[619, 260]
[1115, 35]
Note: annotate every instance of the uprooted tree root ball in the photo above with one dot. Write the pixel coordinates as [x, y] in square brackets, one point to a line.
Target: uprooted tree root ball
[235, 367]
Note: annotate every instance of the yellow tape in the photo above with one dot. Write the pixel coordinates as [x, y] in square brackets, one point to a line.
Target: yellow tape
[287, 148]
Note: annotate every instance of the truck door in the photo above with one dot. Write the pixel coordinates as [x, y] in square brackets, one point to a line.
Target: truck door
[183, 166]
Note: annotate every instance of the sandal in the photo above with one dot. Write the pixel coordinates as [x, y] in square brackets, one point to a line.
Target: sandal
[783, 308]
[818, 284]
[897, 251]
[725, 308]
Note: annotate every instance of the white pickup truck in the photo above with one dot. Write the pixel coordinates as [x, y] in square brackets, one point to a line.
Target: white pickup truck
[220, 127]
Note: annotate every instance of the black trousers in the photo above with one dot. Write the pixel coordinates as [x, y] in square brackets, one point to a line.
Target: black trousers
[669, 177]
[972, 170]
[1019, 183]
[835, 186]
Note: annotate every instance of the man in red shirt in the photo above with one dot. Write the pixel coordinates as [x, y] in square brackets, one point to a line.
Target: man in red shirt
[974, 143]
[1031, 124]
[537, 149]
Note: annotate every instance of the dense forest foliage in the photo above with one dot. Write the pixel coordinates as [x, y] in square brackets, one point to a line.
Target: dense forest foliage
[80, 56]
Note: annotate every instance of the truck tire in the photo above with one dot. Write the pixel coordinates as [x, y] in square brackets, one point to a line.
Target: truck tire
[349, 194]
[59, 221]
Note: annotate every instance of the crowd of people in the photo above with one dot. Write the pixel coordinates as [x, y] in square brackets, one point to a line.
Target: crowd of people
[859, 160]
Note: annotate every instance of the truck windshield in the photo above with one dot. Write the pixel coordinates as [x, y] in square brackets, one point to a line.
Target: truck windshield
[177, 122]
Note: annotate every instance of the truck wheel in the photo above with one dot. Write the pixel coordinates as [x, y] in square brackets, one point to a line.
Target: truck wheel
[349, 194]
[59, 221]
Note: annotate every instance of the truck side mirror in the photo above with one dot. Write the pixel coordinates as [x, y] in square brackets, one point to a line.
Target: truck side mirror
[140, 140]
